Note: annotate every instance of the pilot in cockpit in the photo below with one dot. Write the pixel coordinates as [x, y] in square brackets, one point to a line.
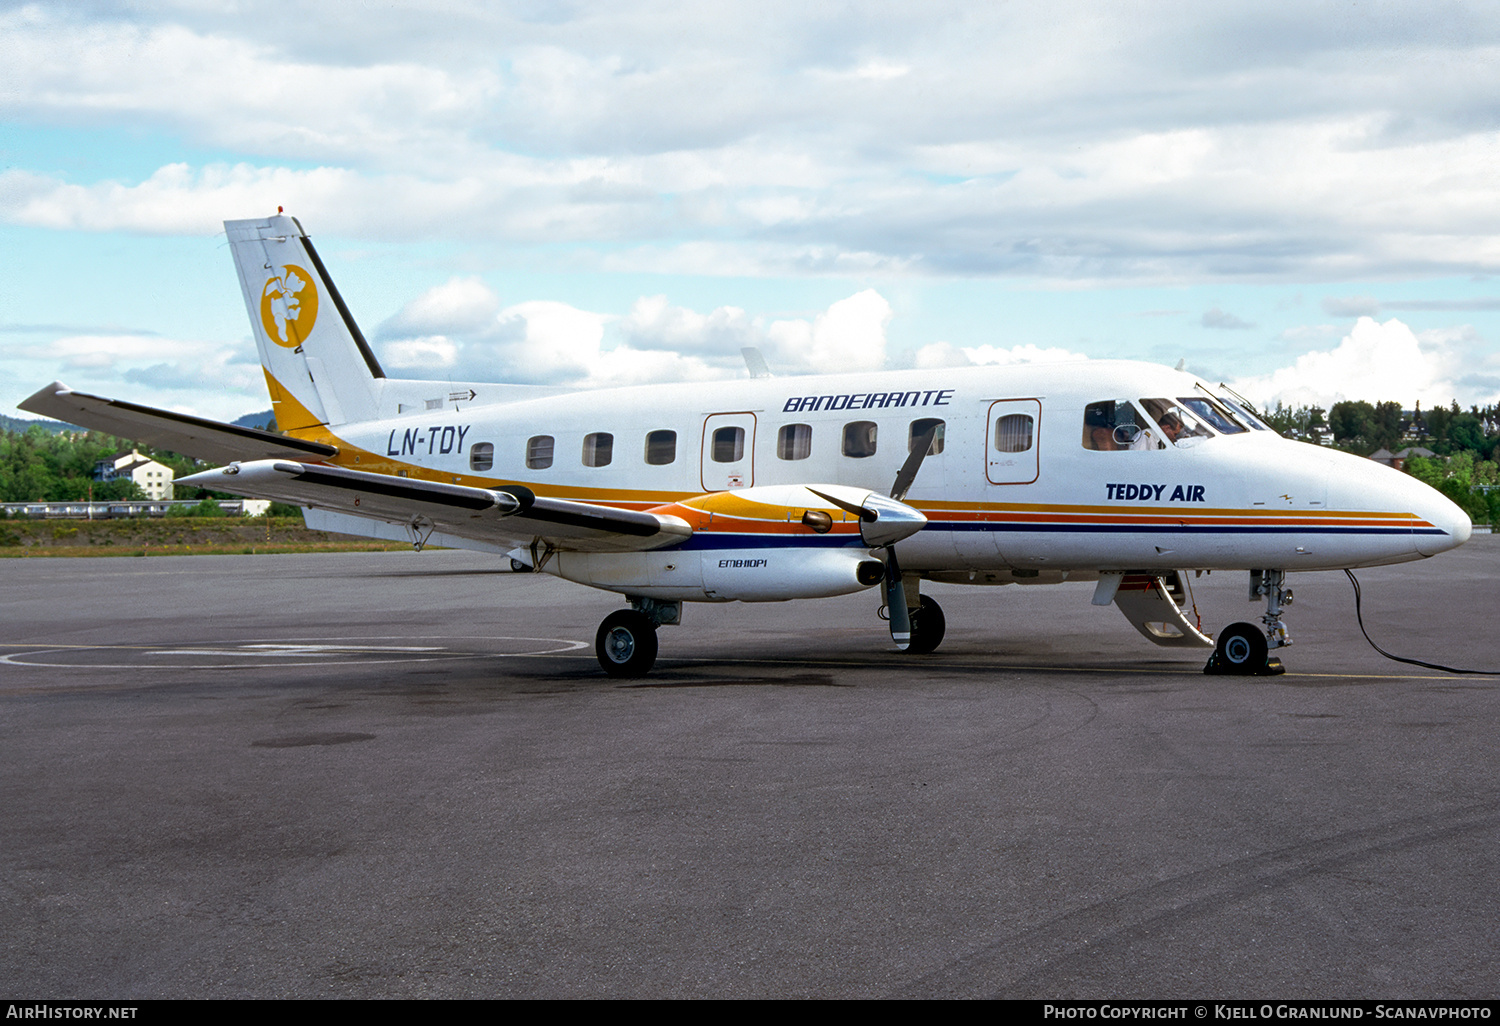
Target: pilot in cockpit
[1170, 426]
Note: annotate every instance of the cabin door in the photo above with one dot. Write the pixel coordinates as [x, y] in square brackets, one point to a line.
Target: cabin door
[727, 456]
[1011, 441]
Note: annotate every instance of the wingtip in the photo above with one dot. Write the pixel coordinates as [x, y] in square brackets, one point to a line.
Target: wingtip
[38, 401]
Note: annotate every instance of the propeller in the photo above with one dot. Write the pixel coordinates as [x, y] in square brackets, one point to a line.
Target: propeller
[884, 522]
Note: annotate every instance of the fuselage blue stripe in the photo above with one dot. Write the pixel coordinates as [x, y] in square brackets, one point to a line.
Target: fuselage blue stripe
[717, 540]
[1169, 529]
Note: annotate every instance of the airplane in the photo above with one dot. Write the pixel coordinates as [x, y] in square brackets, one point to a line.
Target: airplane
[766, 489]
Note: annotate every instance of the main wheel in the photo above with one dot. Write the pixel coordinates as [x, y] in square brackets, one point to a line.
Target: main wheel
[928, 625]
[626, 644]
[1241, 649]
[518, 567]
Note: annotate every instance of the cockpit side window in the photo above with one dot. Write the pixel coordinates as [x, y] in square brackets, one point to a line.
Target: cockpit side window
[1114, 425]
[1174, 422]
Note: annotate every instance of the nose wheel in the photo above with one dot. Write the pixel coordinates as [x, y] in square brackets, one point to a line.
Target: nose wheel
[1244, 649]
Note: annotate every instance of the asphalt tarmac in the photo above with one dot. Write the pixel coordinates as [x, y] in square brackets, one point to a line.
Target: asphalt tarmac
[401, 774]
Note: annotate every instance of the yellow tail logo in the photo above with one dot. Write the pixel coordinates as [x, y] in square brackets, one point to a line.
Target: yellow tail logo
[289, 306]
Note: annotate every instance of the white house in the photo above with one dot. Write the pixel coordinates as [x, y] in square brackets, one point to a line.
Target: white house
[153, 478]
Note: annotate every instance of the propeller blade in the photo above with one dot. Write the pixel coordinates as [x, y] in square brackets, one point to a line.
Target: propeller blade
[895, 601]
[864, 513]
[908, 472]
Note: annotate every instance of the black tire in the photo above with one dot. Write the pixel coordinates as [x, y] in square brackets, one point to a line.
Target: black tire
[928, 625]
[518, 567]
[1242, 649]
[626, 644]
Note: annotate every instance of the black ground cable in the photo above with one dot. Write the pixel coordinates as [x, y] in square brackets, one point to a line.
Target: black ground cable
[1359, 616]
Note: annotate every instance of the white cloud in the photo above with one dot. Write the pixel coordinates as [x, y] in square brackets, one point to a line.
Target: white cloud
[1073, 145]
[945, 354]
[230, 91]
[175, 200]
[1079, 143]
[460, 305]
[547, 342]
[426, 356]
[653, 323]
[850, 336]
[1376, 362]
[208, 379]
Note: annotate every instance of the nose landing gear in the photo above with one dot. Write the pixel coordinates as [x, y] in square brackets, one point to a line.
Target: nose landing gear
[1244, 648]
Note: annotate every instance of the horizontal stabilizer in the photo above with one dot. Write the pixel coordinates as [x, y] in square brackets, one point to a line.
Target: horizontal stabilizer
[197, 437]
[511, 515]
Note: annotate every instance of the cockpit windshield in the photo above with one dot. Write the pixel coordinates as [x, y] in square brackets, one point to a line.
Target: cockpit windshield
[1211, 410]
[1245, 414]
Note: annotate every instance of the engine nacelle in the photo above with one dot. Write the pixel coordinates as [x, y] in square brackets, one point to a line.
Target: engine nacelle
[761, 574]
[764, 544]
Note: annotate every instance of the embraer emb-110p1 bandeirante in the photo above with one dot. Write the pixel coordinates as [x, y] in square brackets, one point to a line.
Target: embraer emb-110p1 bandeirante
[768, 489]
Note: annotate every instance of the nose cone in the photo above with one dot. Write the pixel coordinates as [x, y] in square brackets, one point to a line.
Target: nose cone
[893, 521]
[1451, 526]
[1431, 522]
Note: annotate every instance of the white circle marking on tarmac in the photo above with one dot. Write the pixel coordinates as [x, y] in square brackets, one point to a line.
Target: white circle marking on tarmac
[311, 652]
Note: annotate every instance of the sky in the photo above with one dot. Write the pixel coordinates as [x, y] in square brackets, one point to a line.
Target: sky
[1297, 199]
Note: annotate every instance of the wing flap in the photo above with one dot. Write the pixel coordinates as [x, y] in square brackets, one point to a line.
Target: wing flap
[513, 515]
[197, 437]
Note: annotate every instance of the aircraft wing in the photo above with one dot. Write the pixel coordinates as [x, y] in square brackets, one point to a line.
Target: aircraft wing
[197, 437]
[510, 516]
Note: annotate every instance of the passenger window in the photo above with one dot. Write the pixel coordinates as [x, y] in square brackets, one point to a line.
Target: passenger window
[661, 448]
[481, 456]
[920, 428]
[794, 442]
[539, 452]
[728, 445]
[1014, 432]
[598, 449]
[1114, 425]
[859, 439]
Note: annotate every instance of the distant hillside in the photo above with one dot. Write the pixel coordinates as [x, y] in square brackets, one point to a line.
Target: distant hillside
[55, 427]
[257, 420]
[52, 427]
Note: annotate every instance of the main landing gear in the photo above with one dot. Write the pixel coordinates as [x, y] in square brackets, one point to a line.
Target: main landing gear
[926, 622]
[626, 641]
[1244, 648]
[928, 625]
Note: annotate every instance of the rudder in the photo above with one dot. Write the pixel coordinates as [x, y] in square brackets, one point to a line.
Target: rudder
[318, 366]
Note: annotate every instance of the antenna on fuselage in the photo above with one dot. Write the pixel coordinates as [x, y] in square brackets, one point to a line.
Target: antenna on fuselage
[755, 363]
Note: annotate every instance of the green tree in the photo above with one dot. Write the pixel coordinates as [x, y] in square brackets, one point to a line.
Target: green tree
[1461, 478]
[1351, 421]
[1385, 426]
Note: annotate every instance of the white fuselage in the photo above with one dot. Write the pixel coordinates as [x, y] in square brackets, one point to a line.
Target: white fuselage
[1239, 500]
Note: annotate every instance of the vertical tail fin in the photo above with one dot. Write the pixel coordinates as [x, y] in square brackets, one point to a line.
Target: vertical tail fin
[318, 366]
